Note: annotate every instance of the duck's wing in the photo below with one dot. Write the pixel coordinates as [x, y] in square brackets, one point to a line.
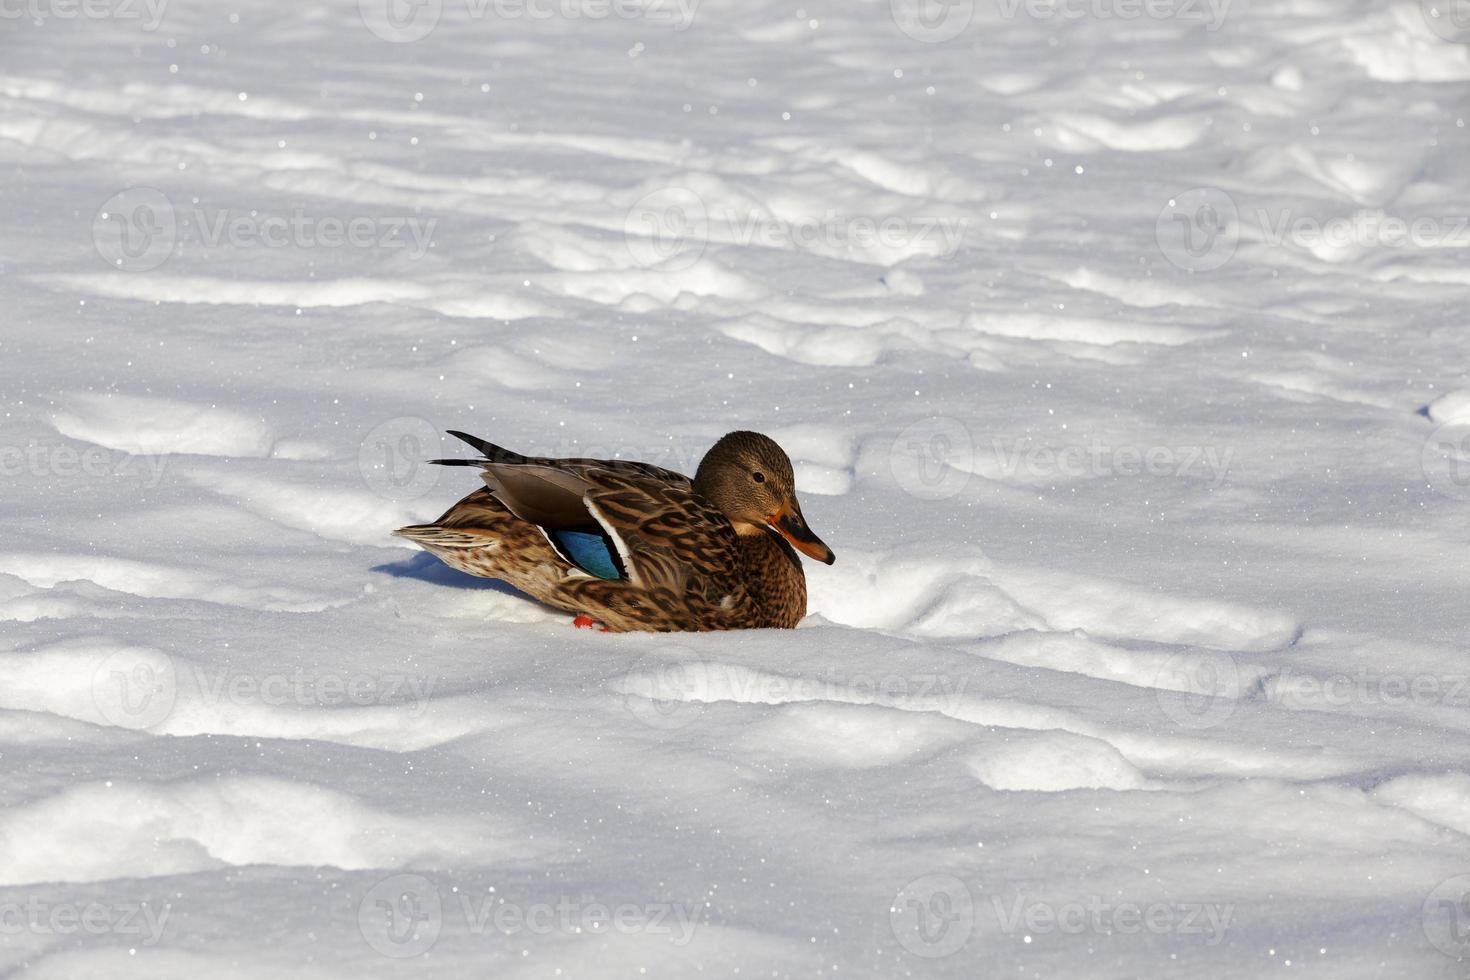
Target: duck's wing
[615, 520]
[490, 452]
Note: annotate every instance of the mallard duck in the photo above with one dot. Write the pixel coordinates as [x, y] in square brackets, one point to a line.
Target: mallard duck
[632, 546]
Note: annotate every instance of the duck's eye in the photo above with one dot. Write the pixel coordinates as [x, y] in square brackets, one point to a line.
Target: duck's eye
[758, 477]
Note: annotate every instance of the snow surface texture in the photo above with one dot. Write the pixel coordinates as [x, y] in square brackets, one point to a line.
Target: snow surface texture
[1121, 352]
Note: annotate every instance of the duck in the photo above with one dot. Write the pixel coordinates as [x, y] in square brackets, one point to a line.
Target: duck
[627, 546]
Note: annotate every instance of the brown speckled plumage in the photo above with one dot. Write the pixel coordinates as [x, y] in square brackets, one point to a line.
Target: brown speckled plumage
[689, 562]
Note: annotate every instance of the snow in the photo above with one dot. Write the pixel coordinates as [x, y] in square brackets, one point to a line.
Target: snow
[1120, 351]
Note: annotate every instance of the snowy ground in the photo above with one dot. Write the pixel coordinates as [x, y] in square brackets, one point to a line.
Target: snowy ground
[1122, 351]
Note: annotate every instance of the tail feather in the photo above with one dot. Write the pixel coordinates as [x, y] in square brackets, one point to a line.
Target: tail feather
[433, 537]
[488, 449]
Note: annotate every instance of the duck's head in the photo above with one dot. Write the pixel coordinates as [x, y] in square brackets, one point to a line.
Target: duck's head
[748, 477]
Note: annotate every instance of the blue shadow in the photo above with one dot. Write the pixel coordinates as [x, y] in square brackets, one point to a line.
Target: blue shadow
[426, 568]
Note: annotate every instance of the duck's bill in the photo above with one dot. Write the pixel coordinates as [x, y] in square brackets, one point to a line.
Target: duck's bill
[789, 523]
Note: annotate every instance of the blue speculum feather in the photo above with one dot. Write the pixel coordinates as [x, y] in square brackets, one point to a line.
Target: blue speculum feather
[589, 552]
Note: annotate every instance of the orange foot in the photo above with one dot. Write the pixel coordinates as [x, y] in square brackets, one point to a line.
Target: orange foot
[586, 622]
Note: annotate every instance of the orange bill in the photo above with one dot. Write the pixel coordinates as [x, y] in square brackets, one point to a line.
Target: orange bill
[789, 523]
